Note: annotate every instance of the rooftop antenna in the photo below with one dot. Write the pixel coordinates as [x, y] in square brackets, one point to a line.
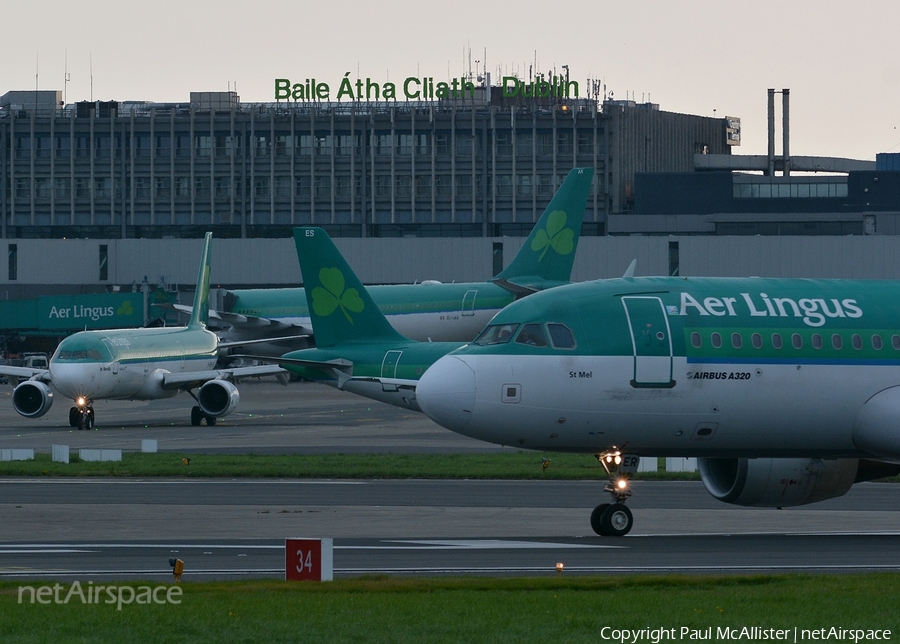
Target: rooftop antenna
[66, 79]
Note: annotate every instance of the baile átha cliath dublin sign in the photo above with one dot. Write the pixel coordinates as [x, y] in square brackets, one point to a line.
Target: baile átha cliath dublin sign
[418, 89]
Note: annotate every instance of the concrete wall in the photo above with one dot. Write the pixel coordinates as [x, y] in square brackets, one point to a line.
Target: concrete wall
[58, 266]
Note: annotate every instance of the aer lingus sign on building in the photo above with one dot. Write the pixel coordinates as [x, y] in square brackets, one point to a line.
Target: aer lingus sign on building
[113, 310]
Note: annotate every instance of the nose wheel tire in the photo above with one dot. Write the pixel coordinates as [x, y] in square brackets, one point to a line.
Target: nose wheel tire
[197, 417]
[86, 418]
[612, 520]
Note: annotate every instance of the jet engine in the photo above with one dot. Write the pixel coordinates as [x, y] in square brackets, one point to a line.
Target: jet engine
[32, 398]
[218, 398]
[777, 482]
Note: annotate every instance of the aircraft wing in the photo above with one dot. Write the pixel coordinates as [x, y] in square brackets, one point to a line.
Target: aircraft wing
[24, 373]
[193, 379]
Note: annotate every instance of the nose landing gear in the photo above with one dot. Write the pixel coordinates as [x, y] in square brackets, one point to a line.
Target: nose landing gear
[613, 519]
[81, 415]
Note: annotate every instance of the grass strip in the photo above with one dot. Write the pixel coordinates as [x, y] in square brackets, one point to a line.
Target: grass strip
[518, 465]
[548, 609]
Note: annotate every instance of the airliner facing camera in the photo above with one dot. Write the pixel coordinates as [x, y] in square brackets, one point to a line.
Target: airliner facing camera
[137, 364]
[787, 390]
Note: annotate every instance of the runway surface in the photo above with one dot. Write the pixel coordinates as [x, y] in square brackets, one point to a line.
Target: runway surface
[93, 529]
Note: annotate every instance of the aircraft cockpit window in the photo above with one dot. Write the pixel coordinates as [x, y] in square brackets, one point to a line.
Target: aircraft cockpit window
[532, 335]
[561, 336]
[81, 354]
[497, 334]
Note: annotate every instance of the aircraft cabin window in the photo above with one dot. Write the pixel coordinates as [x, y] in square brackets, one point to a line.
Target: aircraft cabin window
[561, 336]
[876, 342]
[716, 340]
[532, 335]
[696, 341]
[797, 341]
[856, 341]
[817, 341]
[496, 334]
[736, 340]
[777, 341]
[837, 341]
[895, 342]
[756, 341]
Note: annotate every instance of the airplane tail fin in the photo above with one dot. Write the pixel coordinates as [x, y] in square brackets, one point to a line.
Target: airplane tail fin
[549, 252]
[200, 310]
[340, 308]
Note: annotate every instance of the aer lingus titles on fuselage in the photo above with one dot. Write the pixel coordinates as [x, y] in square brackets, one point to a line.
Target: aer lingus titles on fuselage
[434, 311]
[813, 311]
[759, 378]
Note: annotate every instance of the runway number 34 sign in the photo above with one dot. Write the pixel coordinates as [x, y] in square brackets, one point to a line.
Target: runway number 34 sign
[309, 559]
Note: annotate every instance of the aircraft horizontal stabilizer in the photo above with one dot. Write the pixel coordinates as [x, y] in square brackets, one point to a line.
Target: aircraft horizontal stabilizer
[515, 289]
[239, 321]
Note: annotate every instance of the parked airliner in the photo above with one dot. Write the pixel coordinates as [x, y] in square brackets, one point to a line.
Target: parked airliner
[137, 364]
[430, 311]
[787, 390]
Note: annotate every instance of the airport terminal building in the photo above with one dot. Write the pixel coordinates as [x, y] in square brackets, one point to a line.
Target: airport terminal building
[480, 165]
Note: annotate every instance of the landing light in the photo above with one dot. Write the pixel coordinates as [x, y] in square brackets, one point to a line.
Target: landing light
[80, 401]
[622, 484]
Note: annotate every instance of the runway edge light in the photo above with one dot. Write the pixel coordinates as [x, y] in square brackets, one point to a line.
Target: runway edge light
[309, 559]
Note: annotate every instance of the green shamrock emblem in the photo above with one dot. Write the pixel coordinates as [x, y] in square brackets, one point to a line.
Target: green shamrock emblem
[556, 236]
[326, 300]
[125, 309]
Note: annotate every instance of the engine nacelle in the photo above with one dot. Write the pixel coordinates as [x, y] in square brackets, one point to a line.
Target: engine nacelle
[776, 482]
[218, 398]
[32, 398]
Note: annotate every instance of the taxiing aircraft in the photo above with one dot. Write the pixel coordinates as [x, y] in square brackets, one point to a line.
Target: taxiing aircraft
[433, 311]
[357, 349]
[787, 390]
[137, 364]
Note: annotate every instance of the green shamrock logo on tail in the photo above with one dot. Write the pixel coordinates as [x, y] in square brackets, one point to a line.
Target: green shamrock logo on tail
[125, 309]
[326, 300]
[556, 236]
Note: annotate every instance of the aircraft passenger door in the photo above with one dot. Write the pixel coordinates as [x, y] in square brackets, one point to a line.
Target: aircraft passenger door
[389, 364]
[468, 303]
[651, 340]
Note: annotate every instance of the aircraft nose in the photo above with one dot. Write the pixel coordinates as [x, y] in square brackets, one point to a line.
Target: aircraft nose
[446, 393]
